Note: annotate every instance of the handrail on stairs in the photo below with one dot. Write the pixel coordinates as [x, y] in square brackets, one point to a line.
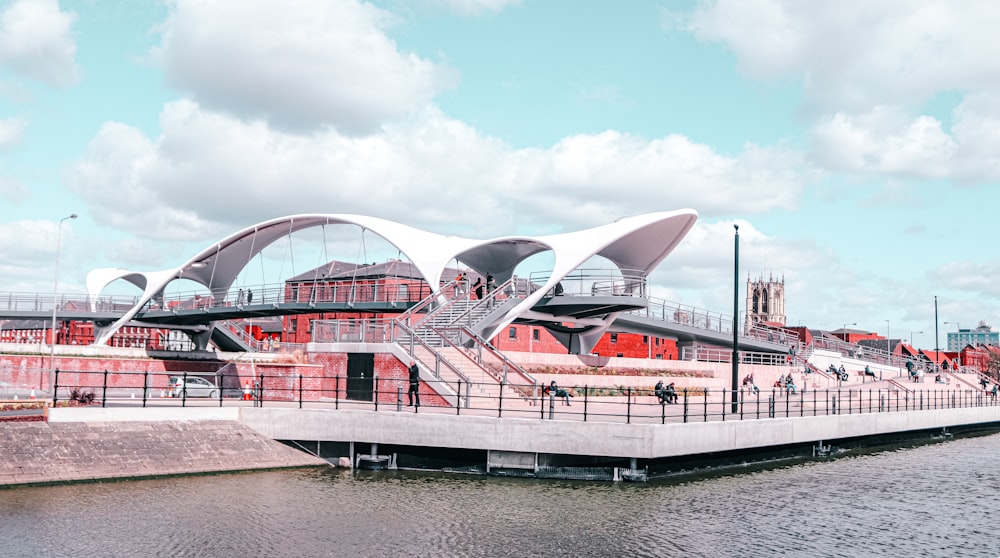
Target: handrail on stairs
[528, 388]
[427, 301]
[439, 360]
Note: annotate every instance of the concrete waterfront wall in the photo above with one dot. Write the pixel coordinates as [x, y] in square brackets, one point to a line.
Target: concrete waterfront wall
[537, 436]
[607, 439]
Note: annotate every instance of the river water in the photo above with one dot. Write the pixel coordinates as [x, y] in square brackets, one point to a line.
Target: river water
[931, 500]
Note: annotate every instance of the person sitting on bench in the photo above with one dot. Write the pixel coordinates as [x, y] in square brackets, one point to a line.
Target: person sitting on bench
[660, 392]
[559, 392]
[870, 372]
[790, 384]
[670, 393]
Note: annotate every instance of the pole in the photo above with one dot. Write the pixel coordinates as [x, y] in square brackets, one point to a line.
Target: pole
[736, 313]
[55, 305]
[887, 350]
[936, 343]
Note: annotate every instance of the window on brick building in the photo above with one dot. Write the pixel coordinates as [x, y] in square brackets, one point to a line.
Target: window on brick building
[293, 325]
[535, 335]
[309, 330]
[620, 355]
[614, 337]
[645, 339]
[512, 332]
[659, 357]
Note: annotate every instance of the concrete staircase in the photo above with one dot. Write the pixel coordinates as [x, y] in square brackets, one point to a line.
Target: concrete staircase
[443, 333]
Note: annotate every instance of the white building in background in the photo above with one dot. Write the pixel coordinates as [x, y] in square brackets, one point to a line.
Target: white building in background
[983, 334]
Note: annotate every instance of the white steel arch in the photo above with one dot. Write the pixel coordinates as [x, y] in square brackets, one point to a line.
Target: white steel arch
[634, 243]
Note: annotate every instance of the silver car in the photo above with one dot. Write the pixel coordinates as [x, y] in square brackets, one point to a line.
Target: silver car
[192, 386]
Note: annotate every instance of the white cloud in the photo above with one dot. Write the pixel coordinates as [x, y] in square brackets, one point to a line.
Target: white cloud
[27, 247]
[477, 7]
[855, 54]
[301, 65]
[887, 141]
[13, 190]
[11, 130]
[209, 172]
[36, 41]
[867, 68]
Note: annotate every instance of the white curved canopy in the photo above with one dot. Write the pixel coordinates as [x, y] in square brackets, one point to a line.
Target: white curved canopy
[633, 243]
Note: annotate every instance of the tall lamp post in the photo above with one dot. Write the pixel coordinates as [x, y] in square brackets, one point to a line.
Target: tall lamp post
[888, 351]
[55, 303]
[937, 338]
[736, 316]
[911, 336]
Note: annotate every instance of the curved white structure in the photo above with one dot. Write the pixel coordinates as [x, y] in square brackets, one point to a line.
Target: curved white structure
[632, 243]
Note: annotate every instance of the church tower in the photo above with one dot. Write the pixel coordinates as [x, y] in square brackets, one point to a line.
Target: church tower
[765, 301]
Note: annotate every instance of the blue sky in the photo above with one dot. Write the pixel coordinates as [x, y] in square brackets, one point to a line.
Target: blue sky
[855, 143]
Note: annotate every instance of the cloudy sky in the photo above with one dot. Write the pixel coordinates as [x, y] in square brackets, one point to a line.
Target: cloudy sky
[856, 143]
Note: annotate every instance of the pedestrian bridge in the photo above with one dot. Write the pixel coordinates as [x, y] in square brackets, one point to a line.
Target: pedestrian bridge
[198, 311]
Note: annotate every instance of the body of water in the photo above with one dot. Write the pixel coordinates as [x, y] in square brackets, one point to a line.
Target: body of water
[933, 500]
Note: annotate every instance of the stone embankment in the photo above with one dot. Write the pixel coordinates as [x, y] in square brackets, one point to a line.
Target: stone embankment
[40, 452]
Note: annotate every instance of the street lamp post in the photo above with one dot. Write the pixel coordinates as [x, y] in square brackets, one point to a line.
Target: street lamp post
[55, 304]
[911, 336]
[937, 337]
[888, 351]
[736, 315]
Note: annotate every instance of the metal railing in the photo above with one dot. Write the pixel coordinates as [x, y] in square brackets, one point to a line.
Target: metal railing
[490, 360]
[591, 282]
[715, 354]
[584, 403]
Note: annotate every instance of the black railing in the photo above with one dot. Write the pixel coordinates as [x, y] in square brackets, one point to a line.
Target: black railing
[585, 403]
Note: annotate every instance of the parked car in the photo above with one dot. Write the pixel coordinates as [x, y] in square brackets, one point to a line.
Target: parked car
[192, 386]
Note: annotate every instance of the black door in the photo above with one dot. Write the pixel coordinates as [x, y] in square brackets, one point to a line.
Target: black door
[360, 376]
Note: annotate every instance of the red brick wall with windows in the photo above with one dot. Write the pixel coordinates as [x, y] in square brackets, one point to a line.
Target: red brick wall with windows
[636, 345]
[535, 339]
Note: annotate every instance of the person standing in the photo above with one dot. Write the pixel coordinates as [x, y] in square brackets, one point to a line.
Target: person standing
[477, 287]
[249, 297]
[414, 391]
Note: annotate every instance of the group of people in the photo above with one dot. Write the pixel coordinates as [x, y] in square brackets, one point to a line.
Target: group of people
[838, 373]
[916, 374]
[478, 288]
[786, 382]
[665, 393]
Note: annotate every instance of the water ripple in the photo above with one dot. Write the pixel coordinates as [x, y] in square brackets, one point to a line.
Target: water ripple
[933, 500]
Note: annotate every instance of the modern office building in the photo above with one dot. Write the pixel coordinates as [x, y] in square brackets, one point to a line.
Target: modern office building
[983, 334]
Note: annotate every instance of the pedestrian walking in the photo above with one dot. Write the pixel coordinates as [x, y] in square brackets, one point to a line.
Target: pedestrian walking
[414, 392]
